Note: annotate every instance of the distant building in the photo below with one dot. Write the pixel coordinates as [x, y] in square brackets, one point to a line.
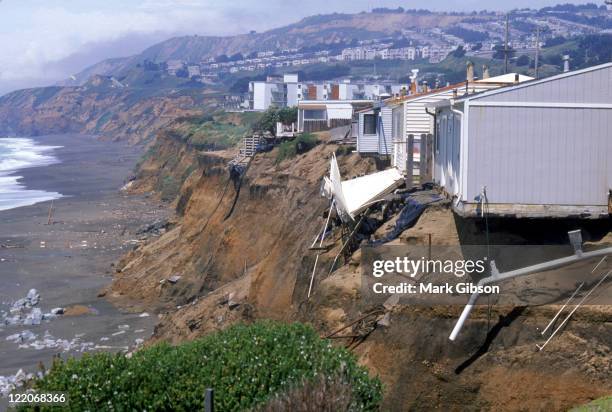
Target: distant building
[193, 71]
[174, 65]
[288, 91]
[278, 92]
[318, 115]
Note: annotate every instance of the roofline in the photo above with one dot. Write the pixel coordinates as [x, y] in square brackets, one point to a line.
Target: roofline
[534, 82]
[415, 97]
[336, 101]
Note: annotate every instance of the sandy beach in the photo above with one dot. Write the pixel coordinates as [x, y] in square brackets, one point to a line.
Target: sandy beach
[69, 261]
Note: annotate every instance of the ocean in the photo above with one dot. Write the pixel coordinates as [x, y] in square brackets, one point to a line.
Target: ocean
[18, 153]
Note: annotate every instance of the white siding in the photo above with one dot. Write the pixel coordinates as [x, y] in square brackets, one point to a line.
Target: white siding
[447, 152]
[531, 154]
[552, 156]
[385, 131]
[366, 143]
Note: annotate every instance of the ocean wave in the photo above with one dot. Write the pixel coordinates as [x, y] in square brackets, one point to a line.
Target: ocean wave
[17, 153]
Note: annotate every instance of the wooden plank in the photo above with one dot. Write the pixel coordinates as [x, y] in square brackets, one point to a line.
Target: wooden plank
[409, 161]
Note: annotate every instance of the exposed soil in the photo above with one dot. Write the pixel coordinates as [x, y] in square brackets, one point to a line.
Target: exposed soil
[255, 262]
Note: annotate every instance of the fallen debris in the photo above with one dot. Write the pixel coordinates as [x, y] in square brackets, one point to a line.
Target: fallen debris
[9, 383]
[23, 312]
[355, 195]
[156, 228]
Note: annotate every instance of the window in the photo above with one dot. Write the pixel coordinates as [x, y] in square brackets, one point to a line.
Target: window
[314, 114]
[369, 124]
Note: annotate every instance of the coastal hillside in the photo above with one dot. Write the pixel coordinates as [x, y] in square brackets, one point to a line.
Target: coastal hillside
[321, 29]
[238, 250]
[99, 107]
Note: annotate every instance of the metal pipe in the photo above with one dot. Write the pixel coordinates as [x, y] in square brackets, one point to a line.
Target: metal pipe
[540, 267]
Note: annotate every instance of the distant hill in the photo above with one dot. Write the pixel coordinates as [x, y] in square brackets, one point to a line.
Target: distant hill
[320, 29]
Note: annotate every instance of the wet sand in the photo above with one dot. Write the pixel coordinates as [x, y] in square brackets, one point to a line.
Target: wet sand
[69, 261]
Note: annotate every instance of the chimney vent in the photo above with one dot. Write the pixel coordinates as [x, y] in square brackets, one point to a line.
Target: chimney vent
[516, 78]
[470, 72]
[566, 63]
[485, 71]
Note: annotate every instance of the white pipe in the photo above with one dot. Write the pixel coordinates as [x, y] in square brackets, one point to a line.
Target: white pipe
[540, 267]
[331, 207]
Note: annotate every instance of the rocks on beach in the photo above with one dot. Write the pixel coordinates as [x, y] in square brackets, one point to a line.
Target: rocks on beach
[24, 312]
[29, 340]
[12, 382]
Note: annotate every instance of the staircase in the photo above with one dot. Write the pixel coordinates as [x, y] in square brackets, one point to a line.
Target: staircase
[249, 145]
[248, 148]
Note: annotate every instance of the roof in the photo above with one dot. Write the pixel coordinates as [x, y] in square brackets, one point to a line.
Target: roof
[534, 82]
[302, 103]
[503, 80]
[507, 78]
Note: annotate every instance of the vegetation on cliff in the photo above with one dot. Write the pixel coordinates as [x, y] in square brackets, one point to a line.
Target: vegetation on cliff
[291, 148]
[247, 365]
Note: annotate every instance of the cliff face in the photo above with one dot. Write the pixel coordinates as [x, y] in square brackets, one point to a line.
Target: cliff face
[224, 263]
[100, 107]
[224, 236]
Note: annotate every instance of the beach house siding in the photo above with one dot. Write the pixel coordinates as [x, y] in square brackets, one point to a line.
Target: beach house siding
[547, 155]
[544, 145]
[446, 151]
[416, 119]
[385, 132]
[367, 143]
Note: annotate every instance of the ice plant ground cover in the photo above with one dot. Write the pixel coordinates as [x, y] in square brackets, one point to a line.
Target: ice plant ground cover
[247, 365]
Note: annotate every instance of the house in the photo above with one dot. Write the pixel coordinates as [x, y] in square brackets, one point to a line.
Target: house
[193, 70]
[536, 149]
[318, 115]
[410, 117]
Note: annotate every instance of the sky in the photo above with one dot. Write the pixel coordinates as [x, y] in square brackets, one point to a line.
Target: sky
[43, 41]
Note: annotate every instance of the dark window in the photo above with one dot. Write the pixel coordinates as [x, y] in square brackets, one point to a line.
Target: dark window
[314, 114]
[369, 124]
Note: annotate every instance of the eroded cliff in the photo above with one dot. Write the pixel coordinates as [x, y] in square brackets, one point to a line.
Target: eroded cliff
[239, 250]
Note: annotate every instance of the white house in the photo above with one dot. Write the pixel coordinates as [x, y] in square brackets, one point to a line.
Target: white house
[537, 149]
[318, 115]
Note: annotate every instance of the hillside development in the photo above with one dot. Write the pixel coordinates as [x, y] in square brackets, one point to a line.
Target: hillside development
[233, 261]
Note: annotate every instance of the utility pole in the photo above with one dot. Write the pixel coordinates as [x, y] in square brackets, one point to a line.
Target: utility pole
[537, 52]
[506, 48]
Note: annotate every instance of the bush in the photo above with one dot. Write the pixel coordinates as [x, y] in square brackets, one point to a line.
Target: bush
[267, 122]
[291, 148]
[248, 366]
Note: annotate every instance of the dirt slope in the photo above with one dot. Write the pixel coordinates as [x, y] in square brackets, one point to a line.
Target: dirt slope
[256, 263]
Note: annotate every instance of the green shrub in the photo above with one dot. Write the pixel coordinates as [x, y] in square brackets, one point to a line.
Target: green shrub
[169, 188]
[267, 121]
[598, 405]
[291, 148]
[247, 365]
